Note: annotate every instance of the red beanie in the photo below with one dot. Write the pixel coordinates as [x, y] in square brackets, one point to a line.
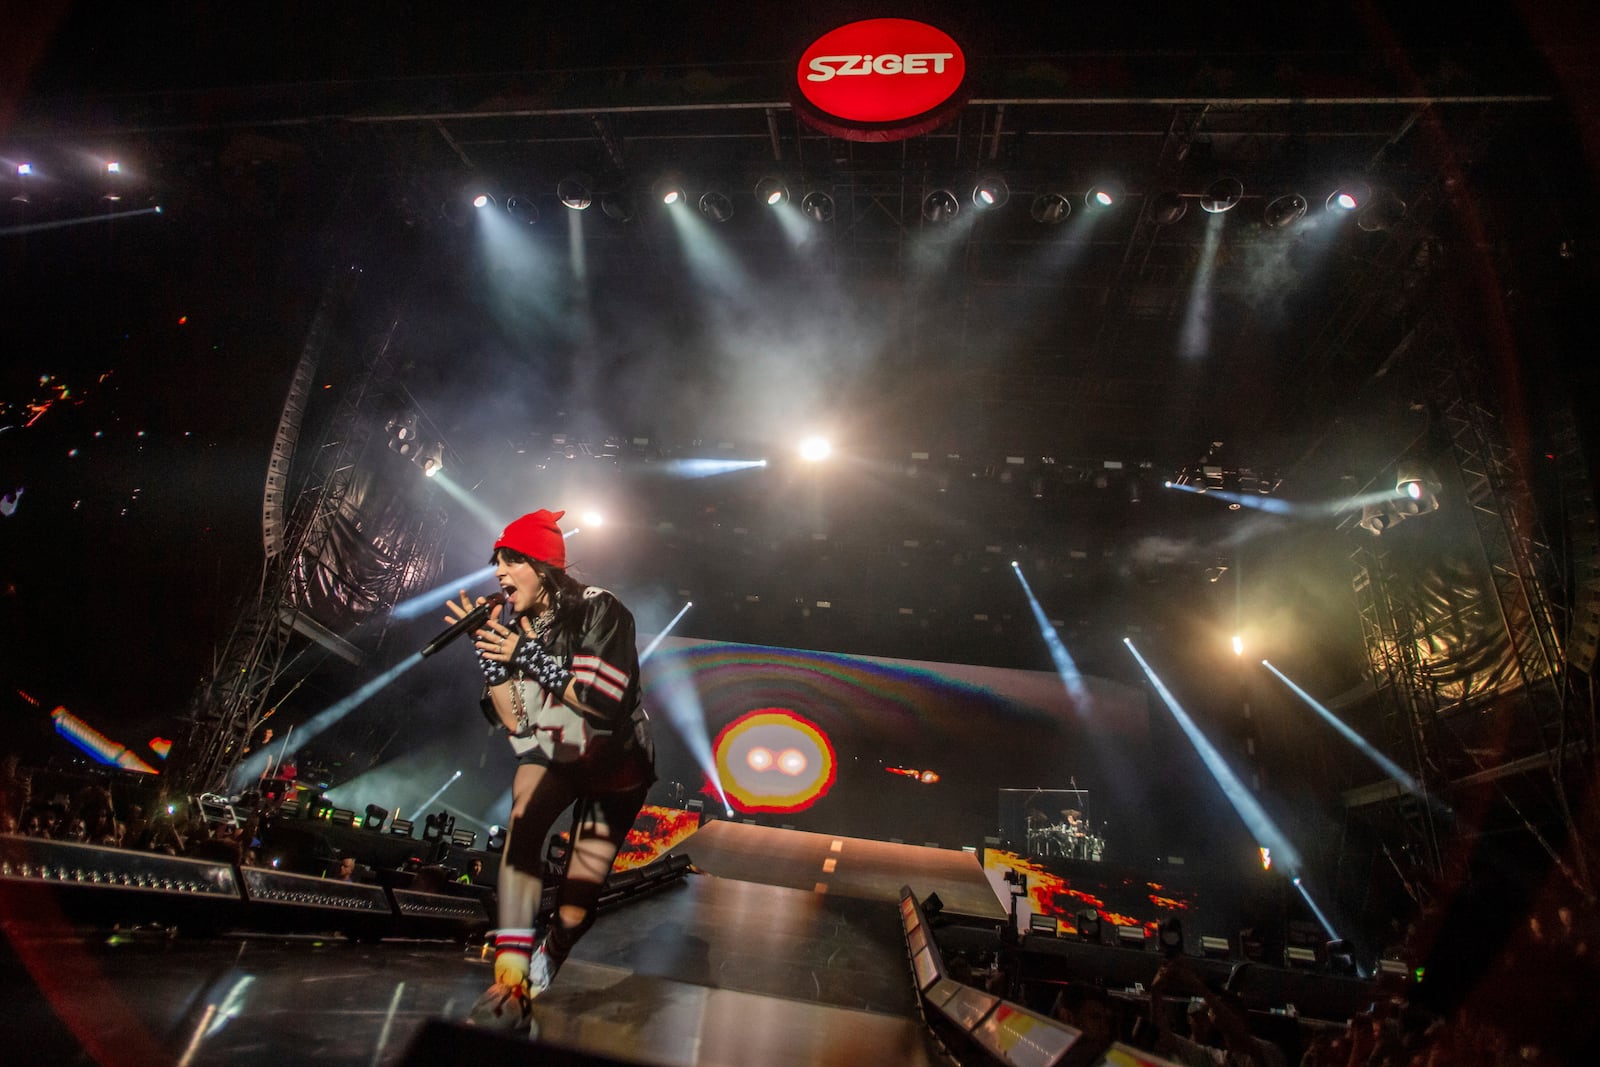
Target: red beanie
[537, 536]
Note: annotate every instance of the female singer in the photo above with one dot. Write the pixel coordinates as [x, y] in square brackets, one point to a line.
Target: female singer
[562, 678]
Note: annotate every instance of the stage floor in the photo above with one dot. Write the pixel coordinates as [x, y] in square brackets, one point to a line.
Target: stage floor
[711, 970]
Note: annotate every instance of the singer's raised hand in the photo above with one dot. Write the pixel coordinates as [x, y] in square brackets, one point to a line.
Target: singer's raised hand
[461, 610]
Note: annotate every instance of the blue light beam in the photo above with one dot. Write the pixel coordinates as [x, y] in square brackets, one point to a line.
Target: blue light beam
[1385, 764]
[252, 768]
[435, 598]
[1287, 507]
[1249, 809]
[60, 224]
[705, 468]
[1195, 338]
[665, 630]
[487, 519]
[437, 793]
[1066, 667]
[674, 686]
[1322, 919]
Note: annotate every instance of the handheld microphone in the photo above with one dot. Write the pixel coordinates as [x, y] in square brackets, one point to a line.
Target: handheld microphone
[472, 620]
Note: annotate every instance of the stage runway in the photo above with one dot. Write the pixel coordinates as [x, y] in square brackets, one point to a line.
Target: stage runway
[844, 866]
[714, 969]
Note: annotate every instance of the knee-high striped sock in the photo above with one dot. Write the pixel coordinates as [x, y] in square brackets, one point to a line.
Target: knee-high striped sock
[512, 950]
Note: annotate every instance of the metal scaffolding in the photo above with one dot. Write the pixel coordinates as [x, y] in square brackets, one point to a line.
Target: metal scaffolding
[260, 651]
[1515, 738]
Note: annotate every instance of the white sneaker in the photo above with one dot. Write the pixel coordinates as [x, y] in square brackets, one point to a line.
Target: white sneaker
[541, 972]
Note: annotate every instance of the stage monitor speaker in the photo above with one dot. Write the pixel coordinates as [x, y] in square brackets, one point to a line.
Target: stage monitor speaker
[1299, 956]
[296, 903]
[1131, 937]
[100, 886]
[435, 915]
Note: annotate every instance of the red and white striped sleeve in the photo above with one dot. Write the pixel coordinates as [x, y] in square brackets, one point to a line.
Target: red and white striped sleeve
[605, 663]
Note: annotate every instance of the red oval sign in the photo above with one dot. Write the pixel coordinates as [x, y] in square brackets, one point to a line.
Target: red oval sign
[881, 70]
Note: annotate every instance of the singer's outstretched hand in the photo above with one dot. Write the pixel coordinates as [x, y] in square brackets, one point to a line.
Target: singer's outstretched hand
[463, 609]
[496, 641]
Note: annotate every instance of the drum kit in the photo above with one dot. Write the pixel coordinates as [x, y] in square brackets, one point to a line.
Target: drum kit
[1069, 838]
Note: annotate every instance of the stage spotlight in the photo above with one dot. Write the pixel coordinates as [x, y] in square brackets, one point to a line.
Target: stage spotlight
[1383, 211]
[1419, 485]
[575, 191]
[113, 167]
[668, 191]
[402, 431]
[497, 839]
[482, 200]
[1340, 957]
[1285, 210]
[438, 826]
[1051, 209]
[1222, 195]
[593, 518]
[617, 206]
[1043, 924]
[523, 209]
[815, 449]
[401, 828]
[24, 169]
[1376, 518]
[1349, 196]
[716, 205]
[817, 206]
[1089, 926]
[464, 838]
[771, 191]
[1238, 645]
[990, 191]
[1215, 948]
[940, 205]
[1102, 196]
[1168, 207]
[431, 460]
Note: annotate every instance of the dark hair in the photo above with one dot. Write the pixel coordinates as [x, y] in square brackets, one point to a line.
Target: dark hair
[566, 592]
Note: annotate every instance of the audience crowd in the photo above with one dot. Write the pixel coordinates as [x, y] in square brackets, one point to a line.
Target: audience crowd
[1534, 1005]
